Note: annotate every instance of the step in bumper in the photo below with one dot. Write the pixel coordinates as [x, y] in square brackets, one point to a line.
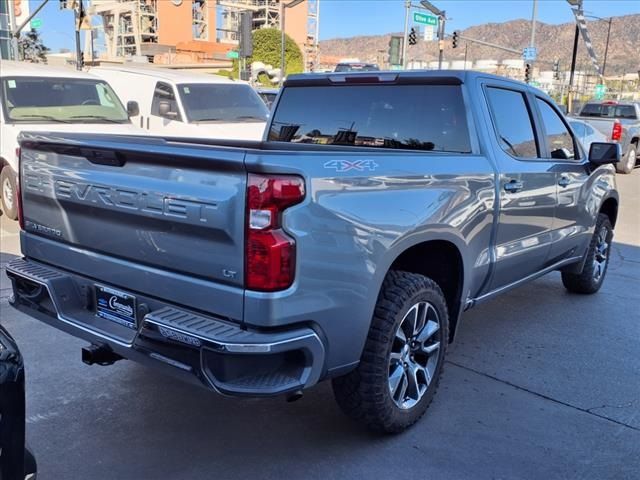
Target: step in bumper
[202, 349]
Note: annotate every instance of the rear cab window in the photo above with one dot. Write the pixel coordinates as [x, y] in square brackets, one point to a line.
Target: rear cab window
[609, 110]
[413, 117]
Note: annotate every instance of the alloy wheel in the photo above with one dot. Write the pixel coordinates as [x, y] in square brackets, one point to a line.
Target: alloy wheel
[7, 193]
[601, 254]
[414, 355]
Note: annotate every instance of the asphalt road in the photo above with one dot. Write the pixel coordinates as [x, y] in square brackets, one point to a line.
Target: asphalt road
[541, 384]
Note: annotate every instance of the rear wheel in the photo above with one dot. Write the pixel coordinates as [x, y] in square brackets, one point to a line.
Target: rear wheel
[597, 261]
[628, 163]
[9, 191]
[402, 360]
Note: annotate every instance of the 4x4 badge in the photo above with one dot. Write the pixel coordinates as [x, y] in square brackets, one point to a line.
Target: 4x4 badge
[346, 165]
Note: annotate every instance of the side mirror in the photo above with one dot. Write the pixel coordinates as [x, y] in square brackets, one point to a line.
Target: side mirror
[133, 110]
[164, 110]
[601, 153]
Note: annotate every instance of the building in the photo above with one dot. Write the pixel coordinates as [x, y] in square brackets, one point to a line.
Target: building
[197, 31]
[12, 14]
[6, 24]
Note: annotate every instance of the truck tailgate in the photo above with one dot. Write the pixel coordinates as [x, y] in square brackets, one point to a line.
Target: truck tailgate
[603, 125]
[173, 207]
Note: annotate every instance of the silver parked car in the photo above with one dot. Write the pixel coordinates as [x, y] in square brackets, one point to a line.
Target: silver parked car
[586, 133]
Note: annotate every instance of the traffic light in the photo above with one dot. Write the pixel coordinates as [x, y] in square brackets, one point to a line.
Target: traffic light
[527, 72]
[413, 37]
[455, 39]
[246, 34]
[556, 70]
[68, 4]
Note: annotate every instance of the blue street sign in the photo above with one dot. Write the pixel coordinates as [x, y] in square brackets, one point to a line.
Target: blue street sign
[529, 54]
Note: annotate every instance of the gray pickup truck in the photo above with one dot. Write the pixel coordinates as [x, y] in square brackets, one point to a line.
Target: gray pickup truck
[620, 122]
[344, 246]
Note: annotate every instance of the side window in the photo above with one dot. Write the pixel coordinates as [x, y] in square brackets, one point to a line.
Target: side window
[559, 138]
[164, 93]
[512, 122]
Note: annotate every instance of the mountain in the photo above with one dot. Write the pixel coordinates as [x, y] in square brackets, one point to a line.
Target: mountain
[554, 42]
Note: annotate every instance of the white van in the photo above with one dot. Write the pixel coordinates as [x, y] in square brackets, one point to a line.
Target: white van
[184, 104]
[42, 98]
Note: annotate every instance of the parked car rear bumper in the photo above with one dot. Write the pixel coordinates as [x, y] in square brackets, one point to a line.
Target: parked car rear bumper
[213, 352]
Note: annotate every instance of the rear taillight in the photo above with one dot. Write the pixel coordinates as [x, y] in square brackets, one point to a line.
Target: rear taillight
[19, 193]
[270, 254]
[616, 133]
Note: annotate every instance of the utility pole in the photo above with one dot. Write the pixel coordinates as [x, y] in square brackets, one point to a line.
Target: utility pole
[466, 47]
[283, 8]
[606, 48]
[407, 12]
[442, 15]
[532, 43]
[573, 69]
[79, 16]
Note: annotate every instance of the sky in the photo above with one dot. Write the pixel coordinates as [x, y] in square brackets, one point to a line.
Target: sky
[347, 18]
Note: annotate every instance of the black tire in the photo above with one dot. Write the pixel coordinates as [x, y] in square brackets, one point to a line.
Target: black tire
[628, 163]
[8, 182]
[365, 393]
[595, 269]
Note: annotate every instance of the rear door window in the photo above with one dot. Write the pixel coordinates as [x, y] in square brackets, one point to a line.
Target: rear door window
[415, 117]
[512, 122]
[559, 139]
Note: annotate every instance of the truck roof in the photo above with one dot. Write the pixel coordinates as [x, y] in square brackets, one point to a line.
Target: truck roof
[454, 76]
[169, 75]
[612, 102]
[12, 68]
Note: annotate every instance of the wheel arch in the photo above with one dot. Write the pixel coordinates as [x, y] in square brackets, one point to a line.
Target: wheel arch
[443, 262]
[610, 208]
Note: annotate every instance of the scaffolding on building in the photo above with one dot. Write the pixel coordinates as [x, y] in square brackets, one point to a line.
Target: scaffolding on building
[130, 26]
[311, 49]
[266, 14]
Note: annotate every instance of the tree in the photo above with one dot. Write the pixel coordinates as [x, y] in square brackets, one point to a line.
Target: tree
[31, 47]
[267, 48]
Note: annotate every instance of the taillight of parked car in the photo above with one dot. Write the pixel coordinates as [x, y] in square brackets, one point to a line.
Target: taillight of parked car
[19, 193]
[616, 132]
[270, 254]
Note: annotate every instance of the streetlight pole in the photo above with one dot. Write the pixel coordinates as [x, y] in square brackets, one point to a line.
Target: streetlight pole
[282, 41]
[441, 40]
[407, 11]
[283, 7]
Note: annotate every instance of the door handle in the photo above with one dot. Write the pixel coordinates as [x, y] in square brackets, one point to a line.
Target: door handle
[564, 181]
[513, 186]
